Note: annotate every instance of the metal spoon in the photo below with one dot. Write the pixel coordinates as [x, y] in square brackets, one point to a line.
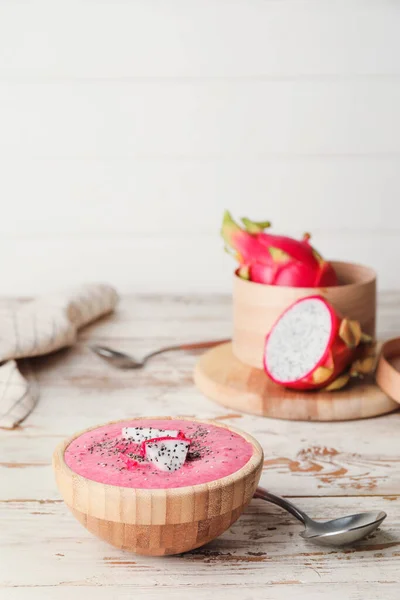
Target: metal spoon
[345, 530]
[125, 361]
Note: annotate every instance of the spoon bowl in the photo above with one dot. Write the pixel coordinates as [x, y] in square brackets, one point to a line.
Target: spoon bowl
[344, 530]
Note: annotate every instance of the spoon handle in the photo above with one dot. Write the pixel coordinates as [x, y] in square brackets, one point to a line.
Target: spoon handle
[199, 345]
[285, 504]
[194, 346]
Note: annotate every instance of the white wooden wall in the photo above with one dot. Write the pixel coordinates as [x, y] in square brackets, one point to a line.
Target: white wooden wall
[126, 127]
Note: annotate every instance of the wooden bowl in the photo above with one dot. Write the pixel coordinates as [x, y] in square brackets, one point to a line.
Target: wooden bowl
[257, 306]
[159, 521]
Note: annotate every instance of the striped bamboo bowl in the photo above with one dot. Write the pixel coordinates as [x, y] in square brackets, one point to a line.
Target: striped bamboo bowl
[159, 521]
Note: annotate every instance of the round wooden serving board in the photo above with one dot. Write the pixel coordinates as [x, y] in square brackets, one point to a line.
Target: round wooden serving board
[223, 378]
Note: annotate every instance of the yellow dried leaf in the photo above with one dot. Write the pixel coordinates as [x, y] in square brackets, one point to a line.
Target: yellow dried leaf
[350, 332]
[338, 383]
[321, 374]
[363, 366]
[365, 338]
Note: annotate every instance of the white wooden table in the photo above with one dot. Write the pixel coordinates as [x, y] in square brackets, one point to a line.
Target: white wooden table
[330, 469]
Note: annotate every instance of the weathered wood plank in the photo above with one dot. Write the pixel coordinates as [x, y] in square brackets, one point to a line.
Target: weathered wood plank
[278, 590]
[147, 319]
[182, 317]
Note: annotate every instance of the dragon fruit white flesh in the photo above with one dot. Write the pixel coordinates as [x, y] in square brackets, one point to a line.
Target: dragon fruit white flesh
[166, 453]
[312, 347]
[139, 434]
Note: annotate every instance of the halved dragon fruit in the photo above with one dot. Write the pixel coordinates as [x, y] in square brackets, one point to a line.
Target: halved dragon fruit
[139, 434]
[311, 346]
[166, 453]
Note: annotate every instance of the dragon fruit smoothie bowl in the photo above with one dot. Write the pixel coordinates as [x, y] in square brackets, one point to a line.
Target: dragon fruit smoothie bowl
[158, 485]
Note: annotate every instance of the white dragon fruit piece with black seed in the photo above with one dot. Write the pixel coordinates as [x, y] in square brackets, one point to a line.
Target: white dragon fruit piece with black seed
[312, 347]
[140, 434]
[167, 454]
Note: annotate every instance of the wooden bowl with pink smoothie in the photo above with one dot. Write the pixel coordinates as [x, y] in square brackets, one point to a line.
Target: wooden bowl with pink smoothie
[140, 508]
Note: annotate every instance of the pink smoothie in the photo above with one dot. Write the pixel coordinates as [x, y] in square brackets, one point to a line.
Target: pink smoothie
[103, 455]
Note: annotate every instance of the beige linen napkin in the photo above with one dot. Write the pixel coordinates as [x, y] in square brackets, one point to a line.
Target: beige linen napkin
[39, 327]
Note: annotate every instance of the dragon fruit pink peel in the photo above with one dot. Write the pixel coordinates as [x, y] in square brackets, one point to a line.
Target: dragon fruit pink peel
[130, 463]
[166, 453]
[139, 434]
[275, 259]
[312, 347]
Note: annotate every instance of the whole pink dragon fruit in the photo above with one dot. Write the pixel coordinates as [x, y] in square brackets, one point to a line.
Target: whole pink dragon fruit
[275, 259]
